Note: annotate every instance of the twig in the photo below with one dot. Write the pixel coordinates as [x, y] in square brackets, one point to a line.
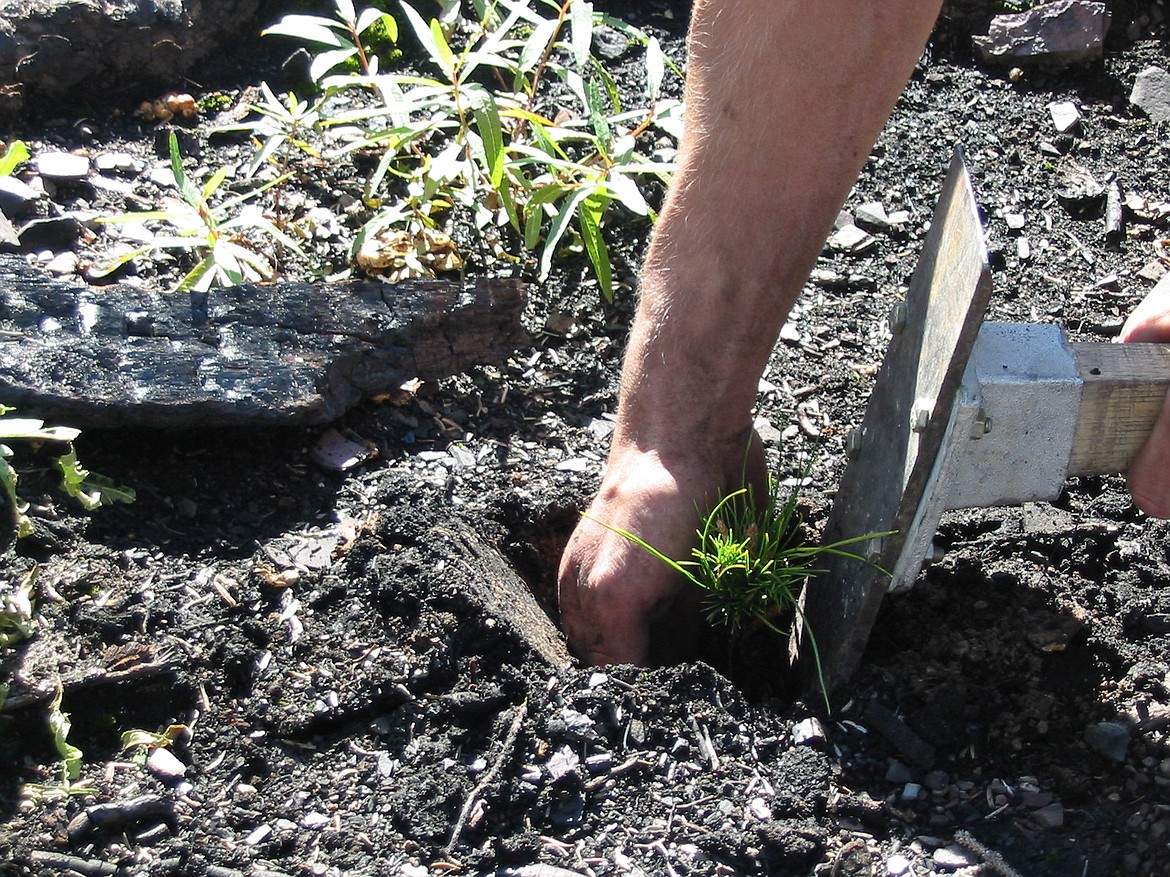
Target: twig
[990, 857]
[100, 677]
[489, 775]
[61, 862]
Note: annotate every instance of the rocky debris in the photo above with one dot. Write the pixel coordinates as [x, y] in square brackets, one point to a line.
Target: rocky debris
[1063, 32]
[58, 48]
[281, 353]
[1151, 93]
[1065, 116]
[1108, 738]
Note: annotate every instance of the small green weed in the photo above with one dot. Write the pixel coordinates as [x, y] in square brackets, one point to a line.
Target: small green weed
[217, 232]
[71, 756]
[17, 614]
[12, 156]
[751, 561]
[88, 488]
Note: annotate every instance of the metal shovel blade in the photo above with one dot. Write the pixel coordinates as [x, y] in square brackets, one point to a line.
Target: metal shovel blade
[894, 451]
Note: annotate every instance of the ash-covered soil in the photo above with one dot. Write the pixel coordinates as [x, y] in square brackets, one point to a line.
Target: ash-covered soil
[358, 700]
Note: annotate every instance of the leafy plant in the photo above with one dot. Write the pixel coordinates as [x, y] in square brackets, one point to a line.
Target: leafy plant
[215, 231]
[282, 123]
[88, 488]
[12, 156]
[71, 757]
[339, 37]
[751, 561]
[449, 140]
[17, 618]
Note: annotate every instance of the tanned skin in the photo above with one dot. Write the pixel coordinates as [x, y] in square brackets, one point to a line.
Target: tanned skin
[785, 99]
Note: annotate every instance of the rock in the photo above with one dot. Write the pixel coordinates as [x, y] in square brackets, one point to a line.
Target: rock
[1065, 116]
[898, 773]
[1108, 738]
[872, 215]
[282, 353]
[952, 858]
[808, 732]
[1063, 32]
[53, 233]
[62, 166]
[70, 48]
[63, 264]
[852, 239]
[897, 865]
[1080, 190]
[163, 764]
[1049, 816]
[17, 198]
[9, 240]
[1151, 93]
[118, 163]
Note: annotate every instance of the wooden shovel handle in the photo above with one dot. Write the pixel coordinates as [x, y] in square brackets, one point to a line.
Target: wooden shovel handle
[1124, 387]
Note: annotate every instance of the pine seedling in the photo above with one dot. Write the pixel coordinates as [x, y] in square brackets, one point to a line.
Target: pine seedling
[751, 561]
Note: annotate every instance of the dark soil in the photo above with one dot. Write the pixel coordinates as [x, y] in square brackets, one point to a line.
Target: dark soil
[356, 701]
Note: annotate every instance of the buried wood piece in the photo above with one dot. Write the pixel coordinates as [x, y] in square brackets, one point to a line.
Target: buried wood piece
[255, 354]
[964, 415]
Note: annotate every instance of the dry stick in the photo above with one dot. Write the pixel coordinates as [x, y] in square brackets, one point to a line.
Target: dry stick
[489, 776]
[60, 862]
[990, 857]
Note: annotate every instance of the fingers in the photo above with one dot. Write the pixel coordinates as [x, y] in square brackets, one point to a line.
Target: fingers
[1150, 320]
[601, 621]
[1149, 474]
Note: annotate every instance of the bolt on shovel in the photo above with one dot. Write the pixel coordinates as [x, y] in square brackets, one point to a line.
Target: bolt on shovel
[964, 414]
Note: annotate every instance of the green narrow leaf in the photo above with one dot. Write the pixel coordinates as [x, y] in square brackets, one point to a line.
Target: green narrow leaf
[213, 183]
[186, 190]
[59, 726]
[549, 194]
[597, 117]
[426, 37]
[8, 478]
[589, 216]
[627, 193]
[346, 11]
[323, 62]
[536, 44]
[581, 24]
[611, 89]
[309, 28]
[369, 17]
[198, 278]
[446, 55]
[655, 69]
[557, 229]
[491, 133]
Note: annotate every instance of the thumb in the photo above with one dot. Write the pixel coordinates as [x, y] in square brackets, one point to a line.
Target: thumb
[1149, 474]
[1150, 320]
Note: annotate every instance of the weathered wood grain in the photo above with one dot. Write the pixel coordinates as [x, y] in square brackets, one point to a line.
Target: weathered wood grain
[281, 353]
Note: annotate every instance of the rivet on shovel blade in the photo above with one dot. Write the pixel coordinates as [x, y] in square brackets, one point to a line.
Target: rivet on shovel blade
[873, 552]
[919, 418]
[981, 426]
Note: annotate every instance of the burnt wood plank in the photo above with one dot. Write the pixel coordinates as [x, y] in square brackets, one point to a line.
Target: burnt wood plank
[279, 353]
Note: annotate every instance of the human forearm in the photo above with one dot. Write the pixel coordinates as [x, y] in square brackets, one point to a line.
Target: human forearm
[784, 101]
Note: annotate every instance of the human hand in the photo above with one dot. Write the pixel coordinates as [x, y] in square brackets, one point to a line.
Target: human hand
[1149, 474]
[610, 590]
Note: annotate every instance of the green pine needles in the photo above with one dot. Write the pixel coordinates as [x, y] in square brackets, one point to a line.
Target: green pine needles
[751, 561]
